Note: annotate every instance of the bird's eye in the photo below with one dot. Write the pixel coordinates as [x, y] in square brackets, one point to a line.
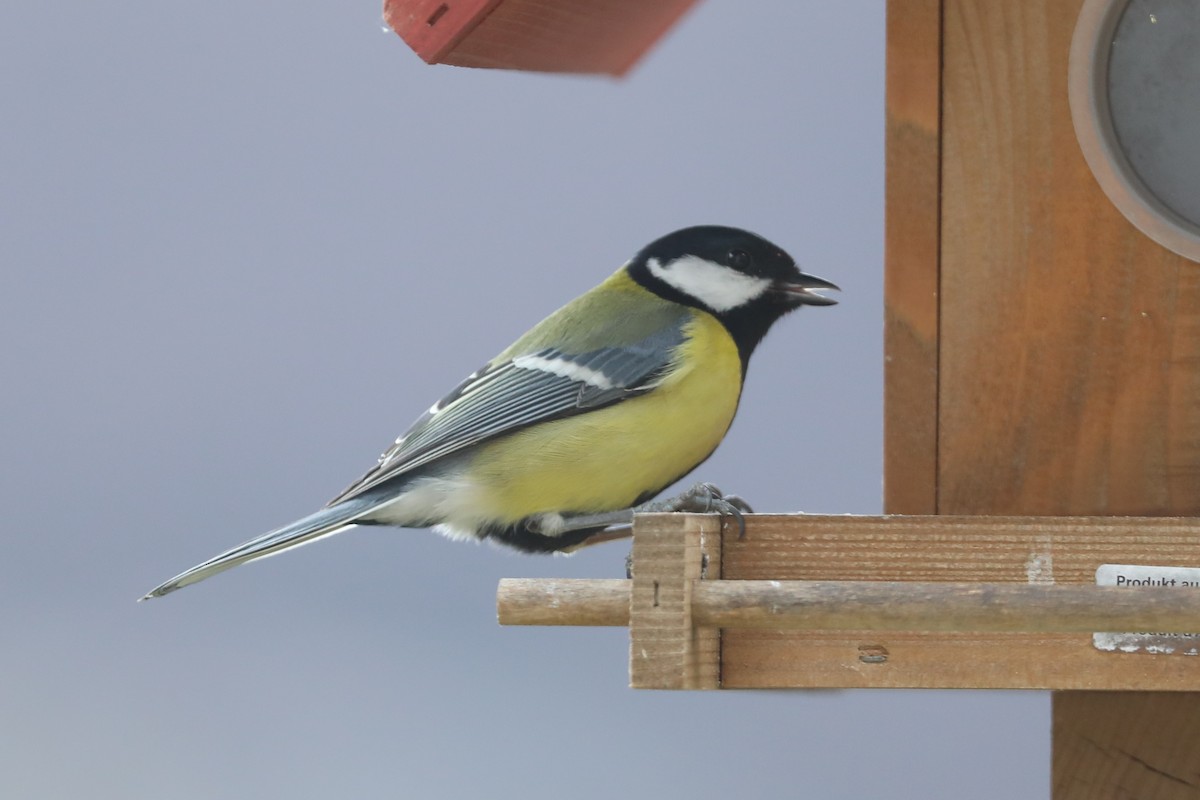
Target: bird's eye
[739, 259]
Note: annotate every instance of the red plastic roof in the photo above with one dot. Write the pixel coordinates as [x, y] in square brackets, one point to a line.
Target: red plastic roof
[591, 36]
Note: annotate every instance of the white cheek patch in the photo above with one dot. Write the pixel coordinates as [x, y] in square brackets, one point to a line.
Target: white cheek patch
[716, 286]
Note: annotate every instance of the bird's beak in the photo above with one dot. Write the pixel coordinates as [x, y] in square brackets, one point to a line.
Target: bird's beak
[805, 290]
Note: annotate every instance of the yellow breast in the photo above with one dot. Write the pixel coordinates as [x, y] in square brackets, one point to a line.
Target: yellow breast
[606, 459]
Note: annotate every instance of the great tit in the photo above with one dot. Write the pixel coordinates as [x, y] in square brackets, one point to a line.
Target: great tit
[589, 415]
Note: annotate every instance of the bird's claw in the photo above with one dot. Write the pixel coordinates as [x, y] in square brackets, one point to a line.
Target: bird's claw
[705, 498]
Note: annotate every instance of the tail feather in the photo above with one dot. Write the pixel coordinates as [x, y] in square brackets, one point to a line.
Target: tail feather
[325, 522]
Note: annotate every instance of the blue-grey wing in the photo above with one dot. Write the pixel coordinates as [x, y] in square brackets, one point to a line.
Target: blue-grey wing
[525, 390]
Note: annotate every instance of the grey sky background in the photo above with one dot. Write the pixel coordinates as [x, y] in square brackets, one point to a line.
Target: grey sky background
[243, 245]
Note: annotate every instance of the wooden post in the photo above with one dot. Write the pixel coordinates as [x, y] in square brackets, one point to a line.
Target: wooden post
[666, 649]
[912, 241]
[1066, 343]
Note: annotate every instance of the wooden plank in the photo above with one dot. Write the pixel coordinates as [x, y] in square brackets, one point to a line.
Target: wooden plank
[1124, 745]
[666, 650]
[952, 548]
[944, 607]
[911, 254]
[998, 550]
[1069, 371]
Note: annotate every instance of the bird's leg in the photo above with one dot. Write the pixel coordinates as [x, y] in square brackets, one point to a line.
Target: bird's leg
[622, 518]
[703, 498]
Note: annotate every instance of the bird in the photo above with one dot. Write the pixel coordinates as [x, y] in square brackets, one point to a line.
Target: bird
[556, 442]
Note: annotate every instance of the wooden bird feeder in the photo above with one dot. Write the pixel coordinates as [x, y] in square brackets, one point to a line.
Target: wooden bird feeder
[1042, 394]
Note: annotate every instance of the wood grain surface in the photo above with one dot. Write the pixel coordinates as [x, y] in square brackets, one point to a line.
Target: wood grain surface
[666, 650]
[911, 245]
[864, 606]
[1068, 368]
[995, 550]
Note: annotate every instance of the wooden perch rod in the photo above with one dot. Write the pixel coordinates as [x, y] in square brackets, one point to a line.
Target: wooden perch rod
[550, 601]
[866, 605]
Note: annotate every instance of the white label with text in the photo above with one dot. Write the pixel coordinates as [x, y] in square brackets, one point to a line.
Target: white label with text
[1139, 578]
